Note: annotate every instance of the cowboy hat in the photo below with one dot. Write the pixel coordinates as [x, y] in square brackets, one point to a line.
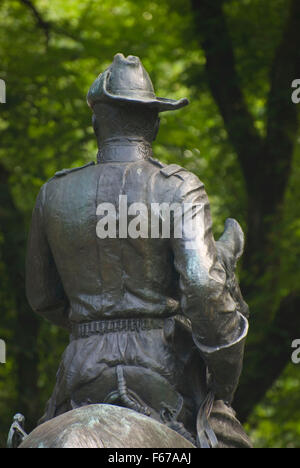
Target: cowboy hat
[127, 81]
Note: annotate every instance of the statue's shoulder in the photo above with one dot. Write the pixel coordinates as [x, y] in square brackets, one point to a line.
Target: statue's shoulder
[65, 172]
[183, 175]
[168, 170]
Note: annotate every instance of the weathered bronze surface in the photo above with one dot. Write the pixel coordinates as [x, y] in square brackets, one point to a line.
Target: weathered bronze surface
[156, 325]
[104, 426]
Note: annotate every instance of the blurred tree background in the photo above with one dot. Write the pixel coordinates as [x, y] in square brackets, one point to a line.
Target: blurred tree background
[235, 60]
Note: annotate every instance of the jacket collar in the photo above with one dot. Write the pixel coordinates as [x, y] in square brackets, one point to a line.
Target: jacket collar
[124, 150]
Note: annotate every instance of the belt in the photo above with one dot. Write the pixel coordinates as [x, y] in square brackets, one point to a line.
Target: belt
[102, 327]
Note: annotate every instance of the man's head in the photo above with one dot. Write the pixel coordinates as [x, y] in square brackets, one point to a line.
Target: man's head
[111, 120]
[124, 102]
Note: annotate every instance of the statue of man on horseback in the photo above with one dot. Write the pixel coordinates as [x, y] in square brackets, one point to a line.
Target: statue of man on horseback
[157, 323]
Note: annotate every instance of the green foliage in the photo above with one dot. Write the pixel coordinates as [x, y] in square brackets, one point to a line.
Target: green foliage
[274, 423]
[46, 125]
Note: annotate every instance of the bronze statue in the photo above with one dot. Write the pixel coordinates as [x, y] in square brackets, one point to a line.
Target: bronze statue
[157, 323]
[104, 426]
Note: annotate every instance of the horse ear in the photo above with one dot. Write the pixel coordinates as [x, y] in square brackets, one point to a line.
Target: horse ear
[232, 241]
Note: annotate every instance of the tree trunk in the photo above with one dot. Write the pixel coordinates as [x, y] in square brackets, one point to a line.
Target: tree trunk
[26, 324]
[266, 164]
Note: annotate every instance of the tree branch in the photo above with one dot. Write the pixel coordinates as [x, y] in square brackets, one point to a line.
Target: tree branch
[224, 82]
[263, 368]
[274, 164]
[266, 166]
[42, 24]
[282, 114]
[47, 26]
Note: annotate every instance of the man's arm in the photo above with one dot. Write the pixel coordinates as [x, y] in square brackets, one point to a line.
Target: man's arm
[44, 289]
[219, 329]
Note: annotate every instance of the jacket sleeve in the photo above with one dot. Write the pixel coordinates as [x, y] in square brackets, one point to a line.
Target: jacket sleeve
[44, 288]
[219, 329]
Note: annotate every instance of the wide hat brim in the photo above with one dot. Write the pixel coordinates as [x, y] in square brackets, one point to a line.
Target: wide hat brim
[99, 93]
